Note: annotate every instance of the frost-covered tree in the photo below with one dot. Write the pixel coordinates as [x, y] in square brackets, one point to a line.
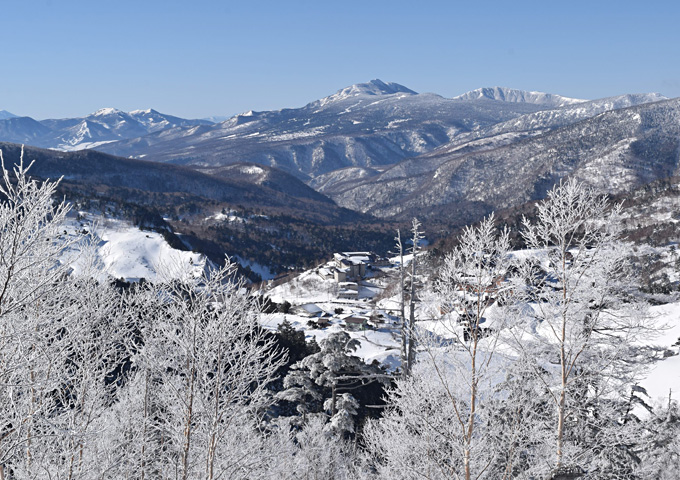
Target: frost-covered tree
[322, 383]
[416, 240]
[660, 443]
[402, 302]
[440, 423]
[308, 452]
[31, 243]
[81, 367]
[581, 326]
[209, 364]
[32, 266]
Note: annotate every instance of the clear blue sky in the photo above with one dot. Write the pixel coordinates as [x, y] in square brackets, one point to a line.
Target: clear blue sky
[64, 58]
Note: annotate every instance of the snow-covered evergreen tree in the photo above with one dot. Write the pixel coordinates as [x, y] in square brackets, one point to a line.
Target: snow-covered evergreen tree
[330, 374]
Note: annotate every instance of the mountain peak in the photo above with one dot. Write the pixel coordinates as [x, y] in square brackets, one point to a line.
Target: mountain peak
[374, 87]
[4, 115]
[106, 111]
[148, 111]
[503, 94]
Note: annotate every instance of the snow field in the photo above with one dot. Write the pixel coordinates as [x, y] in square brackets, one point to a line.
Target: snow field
[127, 252]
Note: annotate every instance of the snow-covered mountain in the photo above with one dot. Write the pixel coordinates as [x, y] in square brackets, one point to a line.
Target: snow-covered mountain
[384, 149]
[103, 126]
[108, 125]
[23, 130]
[518, 96]
[535, 123]
[374, 87]
[4, 115]
[363, 125]
[614, 151]
[362, 130]
[343, 184]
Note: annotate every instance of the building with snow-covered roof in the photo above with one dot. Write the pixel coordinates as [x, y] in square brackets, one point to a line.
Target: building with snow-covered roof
[354, 262]
[308, 310]
[356, 322]
[348, 294]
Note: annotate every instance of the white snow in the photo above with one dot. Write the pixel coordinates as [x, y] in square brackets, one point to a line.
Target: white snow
[252, 170]
[130, 253]
[378, 344]
[664, 376]
[106, 111]
[230, 216]
[261, 270]
[65, 147]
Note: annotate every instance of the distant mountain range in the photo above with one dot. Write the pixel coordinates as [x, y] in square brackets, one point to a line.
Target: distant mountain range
[99, 128]
[367, 125]
[4, 115]
[382, 149]
[517, 161]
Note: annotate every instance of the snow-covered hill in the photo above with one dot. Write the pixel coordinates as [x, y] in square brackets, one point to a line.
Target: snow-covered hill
[126, 252]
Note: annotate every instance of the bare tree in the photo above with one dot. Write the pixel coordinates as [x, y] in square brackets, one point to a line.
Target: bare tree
[212, 364]
[402, 311]
[32, 265]
[416, 239]
[583, 321]
[439, 422]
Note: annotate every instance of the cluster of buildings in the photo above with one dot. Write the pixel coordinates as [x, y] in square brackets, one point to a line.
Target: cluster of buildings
[353, 320]
[348, 268]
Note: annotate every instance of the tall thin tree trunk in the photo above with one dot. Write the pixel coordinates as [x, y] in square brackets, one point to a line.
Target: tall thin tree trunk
[212, 443]
[417, 237]
[563, 365]
[412, 314]
[144, 430]
[333, 399]
[402, 314]
[190, 407]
